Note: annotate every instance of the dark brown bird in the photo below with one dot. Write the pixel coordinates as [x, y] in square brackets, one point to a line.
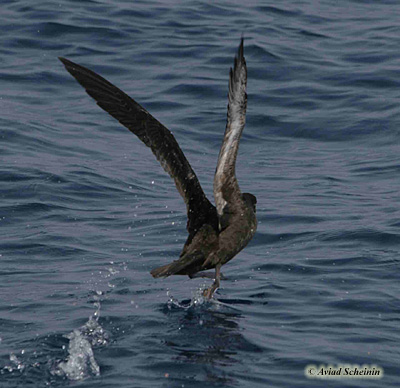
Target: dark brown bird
[216, 234]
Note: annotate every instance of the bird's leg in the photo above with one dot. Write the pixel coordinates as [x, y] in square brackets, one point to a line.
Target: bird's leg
[208, 292]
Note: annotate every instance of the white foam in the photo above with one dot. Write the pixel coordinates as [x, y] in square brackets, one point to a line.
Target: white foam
[80, 363]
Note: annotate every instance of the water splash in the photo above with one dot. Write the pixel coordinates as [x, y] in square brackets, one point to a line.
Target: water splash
[15, 364]
[80, 363]
[95, 333]
[197, 300]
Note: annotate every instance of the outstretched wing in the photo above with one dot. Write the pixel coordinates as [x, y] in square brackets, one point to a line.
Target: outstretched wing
[225, 183]
[152, 133]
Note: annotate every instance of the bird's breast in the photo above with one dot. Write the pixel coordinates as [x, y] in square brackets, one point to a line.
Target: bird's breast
[237, 235]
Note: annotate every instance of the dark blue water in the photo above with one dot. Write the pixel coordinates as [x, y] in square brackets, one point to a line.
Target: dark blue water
[86, 211]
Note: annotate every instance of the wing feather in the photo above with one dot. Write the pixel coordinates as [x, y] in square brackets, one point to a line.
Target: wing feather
[225, 183]
[154, 135]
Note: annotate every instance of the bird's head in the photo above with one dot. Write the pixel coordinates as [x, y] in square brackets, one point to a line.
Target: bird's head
[250, 200]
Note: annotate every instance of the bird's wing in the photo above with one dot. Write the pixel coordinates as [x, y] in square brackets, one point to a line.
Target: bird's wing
[154, 135]
[225, 183]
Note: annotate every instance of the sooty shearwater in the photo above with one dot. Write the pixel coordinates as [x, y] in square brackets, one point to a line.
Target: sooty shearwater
[216, 233]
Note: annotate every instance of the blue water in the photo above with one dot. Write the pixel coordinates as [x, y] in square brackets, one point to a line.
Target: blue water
[86, 211]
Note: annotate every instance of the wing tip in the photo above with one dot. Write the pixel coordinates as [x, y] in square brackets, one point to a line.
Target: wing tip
[238, 63]
[241, 48]
[64, 61]
[239, 59]
[69, 65]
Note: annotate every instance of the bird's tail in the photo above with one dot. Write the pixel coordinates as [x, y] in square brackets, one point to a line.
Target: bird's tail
[182, 266]
[168, 270]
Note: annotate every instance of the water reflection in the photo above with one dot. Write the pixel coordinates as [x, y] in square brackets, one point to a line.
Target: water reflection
[206, 339]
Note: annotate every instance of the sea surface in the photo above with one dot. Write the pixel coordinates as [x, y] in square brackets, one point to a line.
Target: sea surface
[86, 211]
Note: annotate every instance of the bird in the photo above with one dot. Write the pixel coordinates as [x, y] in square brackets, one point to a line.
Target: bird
[217, 233]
